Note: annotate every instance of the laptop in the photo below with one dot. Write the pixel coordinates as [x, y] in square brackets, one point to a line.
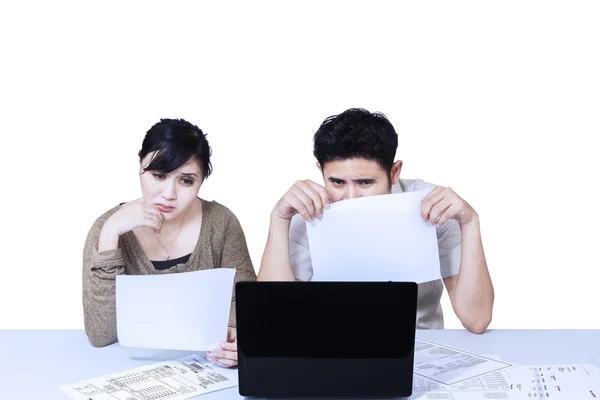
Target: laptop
[326, 339]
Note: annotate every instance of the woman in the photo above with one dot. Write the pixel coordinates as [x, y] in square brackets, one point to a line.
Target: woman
[168, 230]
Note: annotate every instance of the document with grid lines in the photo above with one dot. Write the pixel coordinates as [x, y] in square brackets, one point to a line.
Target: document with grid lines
[173, 380]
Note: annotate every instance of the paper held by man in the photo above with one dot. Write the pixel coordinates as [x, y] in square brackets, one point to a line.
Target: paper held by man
[375, 238]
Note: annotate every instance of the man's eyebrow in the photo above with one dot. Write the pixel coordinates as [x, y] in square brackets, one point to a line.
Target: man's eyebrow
[334, 179]
[364, 180]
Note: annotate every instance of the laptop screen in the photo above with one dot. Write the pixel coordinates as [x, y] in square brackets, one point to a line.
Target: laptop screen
[326, 319]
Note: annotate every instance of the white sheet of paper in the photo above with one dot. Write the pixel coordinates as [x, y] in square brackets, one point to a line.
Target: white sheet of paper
[375, 238]
[576, 381]
[451, 394]
[494, 385]
[184, 311]
[450, 366]
[493, 381]
[173, 380]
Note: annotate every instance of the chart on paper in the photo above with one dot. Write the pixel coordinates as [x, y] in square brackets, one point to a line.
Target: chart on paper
[575, 381]
[494, 385]
[493, 381]
[448, 366]
[173, 380]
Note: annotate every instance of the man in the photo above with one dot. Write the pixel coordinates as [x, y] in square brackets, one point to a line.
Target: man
[355, 153]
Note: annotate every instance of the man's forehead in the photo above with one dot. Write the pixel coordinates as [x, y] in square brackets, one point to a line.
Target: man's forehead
[353, 168]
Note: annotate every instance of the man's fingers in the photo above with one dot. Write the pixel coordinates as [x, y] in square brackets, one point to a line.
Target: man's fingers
[314, 197]
[439, 209]
[298, 206]
[306, 202]
[320, 191]
[436, 190]
[431, 200]
[449, 213]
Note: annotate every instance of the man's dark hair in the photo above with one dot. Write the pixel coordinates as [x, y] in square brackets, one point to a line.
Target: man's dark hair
[356, 133]
[176, 141]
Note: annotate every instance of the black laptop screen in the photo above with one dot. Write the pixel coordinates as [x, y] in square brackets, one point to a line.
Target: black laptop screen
[326, 319]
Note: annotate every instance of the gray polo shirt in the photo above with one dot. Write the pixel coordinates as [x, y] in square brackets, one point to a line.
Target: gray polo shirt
[429, 309]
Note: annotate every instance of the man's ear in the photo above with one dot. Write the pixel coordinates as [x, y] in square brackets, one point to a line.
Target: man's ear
[395, 173]
[319, 166]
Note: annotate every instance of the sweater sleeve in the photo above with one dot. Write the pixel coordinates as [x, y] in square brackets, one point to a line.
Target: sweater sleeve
[235, 255]
[99, 274]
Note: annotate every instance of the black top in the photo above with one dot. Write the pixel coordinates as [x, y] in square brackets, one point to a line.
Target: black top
[166, 264]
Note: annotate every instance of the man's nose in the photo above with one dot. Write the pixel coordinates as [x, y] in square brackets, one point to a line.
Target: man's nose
[352, 192]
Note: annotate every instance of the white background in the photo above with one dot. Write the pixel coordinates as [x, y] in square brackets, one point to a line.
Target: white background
[499, 100]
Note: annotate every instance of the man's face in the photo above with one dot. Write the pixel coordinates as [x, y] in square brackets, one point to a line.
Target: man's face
[357, 177]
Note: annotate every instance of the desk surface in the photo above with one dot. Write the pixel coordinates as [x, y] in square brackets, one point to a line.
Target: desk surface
[33, 363]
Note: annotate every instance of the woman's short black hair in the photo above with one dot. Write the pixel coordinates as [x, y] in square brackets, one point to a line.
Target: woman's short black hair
[356, 133]
[176, 141]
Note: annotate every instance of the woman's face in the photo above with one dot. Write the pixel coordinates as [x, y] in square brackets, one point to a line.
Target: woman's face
[173, 193]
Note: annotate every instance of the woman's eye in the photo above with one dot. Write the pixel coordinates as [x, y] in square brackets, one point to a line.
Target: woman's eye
[159, 176]
[187, 182]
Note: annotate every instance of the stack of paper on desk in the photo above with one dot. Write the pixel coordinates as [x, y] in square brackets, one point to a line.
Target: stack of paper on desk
[376, 238]
[186, 311]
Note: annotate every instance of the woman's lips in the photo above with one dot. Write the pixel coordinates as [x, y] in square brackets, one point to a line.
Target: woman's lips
[164, 208]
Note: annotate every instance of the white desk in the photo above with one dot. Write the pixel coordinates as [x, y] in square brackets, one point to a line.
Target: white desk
[42, 360]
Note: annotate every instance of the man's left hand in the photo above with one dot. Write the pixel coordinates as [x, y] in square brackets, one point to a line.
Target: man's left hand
[442, 204]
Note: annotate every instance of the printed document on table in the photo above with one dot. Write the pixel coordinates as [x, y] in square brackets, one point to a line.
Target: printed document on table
[495, 385]
[173, 380]
[449, 366]
[575, 381]
[182, 311]
[375, 238]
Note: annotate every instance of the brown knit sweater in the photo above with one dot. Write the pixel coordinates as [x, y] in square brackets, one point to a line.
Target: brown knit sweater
[221, 244]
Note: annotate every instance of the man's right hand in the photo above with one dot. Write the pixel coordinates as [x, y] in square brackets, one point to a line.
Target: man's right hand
[306, 198]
